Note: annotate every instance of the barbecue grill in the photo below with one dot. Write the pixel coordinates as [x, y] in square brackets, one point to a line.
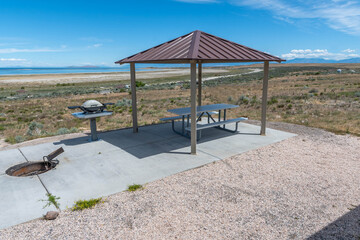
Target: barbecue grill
[92, 109]
[92, 106]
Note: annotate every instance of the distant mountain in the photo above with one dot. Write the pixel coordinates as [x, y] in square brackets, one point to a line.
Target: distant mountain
[351, 60]
[321, 60]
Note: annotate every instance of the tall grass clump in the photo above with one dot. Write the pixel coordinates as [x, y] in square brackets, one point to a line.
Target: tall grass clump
[125, 102]
[34, 129]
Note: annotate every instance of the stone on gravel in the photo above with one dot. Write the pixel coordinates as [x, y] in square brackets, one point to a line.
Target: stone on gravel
[51, 215]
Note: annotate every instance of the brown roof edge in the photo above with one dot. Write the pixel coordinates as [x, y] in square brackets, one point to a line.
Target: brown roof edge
[190, 52]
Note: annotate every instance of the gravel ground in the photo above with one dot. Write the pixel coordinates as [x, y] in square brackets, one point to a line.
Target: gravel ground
[303, 187]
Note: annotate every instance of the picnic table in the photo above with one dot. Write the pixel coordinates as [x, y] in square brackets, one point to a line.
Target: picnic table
[207, 110]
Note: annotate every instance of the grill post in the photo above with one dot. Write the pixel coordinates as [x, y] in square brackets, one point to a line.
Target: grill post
[94, 136]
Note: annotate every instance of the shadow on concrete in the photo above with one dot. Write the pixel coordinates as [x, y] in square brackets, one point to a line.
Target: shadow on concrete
[151, 140]
[345, 227]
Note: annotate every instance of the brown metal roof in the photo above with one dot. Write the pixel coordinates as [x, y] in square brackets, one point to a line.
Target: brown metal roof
[202, 47]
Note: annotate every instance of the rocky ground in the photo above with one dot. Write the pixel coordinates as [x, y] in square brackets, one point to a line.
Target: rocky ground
[303, 187]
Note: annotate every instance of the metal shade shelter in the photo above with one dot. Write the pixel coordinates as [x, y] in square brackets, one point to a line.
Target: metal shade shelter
[199, 47]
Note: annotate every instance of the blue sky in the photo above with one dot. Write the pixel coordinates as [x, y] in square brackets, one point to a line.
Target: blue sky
[63, 33]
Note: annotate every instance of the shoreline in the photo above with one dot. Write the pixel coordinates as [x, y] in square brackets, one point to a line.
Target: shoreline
[96, 77]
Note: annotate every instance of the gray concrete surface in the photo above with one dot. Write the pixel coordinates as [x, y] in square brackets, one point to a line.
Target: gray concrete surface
[121, 158]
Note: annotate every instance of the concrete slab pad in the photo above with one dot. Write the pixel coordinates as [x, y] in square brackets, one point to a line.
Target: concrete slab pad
[121, 138]
[111, 172]
[19, 200]
[95, 169]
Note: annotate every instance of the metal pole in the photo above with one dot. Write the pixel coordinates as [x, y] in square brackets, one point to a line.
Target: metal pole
[264, 98]
[94, 136]
[133, 97]
[193, 107]
[199, 83]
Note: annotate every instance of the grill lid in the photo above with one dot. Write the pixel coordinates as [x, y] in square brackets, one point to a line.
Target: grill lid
[92, 106]
[92, 103]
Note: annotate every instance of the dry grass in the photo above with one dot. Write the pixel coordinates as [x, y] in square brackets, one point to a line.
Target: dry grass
[316, 98]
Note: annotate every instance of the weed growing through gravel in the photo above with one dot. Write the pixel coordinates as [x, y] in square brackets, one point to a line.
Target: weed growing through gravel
[51, 200]
[134, 187]
[84, 204]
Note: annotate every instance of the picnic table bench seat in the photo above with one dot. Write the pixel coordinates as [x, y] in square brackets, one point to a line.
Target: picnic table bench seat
[216, 124]
[180, 117]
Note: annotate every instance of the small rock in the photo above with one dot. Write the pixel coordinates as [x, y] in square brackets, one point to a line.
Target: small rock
[51, 215]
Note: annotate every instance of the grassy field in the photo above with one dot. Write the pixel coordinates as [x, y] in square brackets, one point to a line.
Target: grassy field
[311, 95]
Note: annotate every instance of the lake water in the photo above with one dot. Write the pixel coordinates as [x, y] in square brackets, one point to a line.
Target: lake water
[26, 71]
[124, 68]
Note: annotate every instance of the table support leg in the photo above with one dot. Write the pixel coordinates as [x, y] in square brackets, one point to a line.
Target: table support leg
[94, 136]
[183, 124]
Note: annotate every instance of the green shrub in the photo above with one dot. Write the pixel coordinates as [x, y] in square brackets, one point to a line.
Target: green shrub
[74, 130]
[19, 139]
[273, 100]
[139, 84]
[289, 106]
[254, 100]
[2, 119]
[34, 129]
[2, 128]
[123, 103]
[243, 100]
[84, 204]
[313, 90]
[51, 200]
[134, 187]
[62, 131]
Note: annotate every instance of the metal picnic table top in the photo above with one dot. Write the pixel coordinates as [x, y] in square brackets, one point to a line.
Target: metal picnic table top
[204, 108]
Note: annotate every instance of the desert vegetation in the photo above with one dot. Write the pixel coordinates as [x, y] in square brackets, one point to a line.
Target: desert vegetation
[311, 95]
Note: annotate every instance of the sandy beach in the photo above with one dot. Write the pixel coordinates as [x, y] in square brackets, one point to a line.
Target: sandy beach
[96, 77]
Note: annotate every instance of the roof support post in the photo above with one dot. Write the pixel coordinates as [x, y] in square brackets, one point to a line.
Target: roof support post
[199, 83]
[264, 98]
[193, 106]
[133, 97]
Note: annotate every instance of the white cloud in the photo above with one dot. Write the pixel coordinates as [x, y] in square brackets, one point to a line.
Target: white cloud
[318, 53]
[18, 50]
[349, 50]
[96, 45]
[12, 59]
[341, 15]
